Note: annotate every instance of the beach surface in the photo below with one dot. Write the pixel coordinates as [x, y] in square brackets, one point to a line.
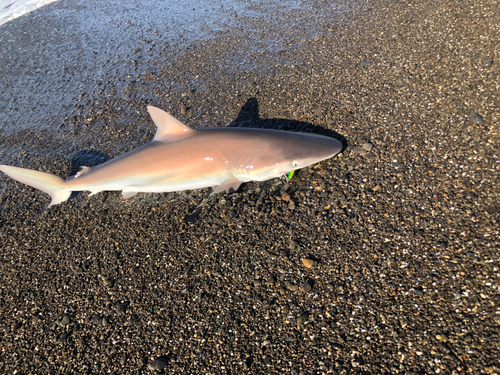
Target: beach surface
[384, 259]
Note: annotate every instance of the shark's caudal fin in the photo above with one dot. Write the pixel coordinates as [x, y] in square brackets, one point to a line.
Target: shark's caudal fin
[45, 182]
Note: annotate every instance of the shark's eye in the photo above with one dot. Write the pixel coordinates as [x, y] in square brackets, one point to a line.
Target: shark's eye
[295, 163]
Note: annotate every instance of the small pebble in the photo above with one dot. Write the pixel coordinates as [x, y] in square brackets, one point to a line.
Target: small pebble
[306, 287]
[475, 118]
[308, 263]
[63, 337]
[160, 363]
[267, 360]
[441, 337]
[487, 63]
[367, 146]
[65, 321]
[302, 319]
[121, 308]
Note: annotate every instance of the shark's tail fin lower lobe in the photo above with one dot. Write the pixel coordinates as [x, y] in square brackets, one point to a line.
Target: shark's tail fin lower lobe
[46, 182]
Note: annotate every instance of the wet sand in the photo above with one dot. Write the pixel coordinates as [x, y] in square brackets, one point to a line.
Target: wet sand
[381, 260]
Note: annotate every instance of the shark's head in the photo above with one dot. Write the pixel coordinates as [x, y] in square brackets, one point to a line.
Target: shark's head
[291, 151]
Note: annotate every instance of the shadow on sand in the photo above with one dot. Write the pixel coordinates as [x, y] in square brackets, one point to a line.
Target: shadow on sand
[249, 118]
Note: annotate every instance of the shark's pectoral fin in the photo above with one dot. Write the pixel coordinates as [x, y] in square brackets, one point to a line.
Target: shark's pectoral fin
[128, 194]
[226, 185]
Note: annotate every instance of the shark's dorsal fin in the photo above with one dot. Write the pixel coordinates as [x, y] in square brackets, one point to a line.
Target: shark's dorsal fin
[167, 125]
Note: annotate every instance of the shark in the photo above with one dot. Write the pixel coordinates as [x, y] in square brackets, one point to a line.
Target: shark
[182, 158]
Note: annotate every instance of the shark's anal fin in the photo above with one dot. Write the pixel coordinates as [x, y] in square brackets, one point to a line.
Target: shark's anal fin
[226, 185]
[128, 194]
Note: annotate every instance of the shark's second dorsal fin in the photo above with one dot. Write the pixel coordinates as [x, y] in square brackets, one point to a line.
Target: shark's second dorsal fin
[167, 125]
[82, 170]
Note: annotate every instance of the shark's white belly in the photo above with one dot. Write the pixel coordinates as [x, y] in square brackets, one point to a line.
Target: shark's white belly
[168, 185]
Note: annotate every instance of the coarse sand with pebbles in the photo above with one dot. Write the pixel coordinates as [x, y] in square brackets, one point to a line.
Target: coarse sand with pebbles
[384, 259]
